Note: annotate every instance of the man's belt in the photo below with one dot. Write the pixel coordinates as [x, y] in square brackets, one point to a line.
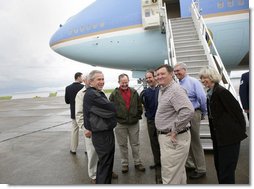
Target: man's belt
[166, 132]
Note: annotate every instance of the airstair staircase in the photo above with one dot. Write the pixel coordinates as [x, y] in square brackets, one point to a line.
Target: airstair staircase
[189, 50]
[188, 47]
[187, 42]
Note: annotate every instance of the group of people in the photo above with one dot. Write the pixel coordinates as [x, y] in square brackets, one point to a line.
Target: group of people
[98, 117]
[173, 109]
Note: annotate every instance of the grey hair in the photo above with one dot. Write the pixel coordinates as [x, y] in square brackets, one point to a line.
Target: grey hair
[121, 76]
[90, 76]
[181, 65]
[85, 75]
[211, 73]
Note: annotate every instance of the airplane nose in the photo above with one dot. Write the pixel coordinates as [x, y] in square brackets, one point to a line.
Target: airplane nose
[109, 33]
[99, 17]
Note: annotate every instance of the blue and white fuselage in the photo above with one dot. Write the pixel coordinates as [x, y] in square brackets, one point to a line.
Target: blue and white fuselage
[109, 33]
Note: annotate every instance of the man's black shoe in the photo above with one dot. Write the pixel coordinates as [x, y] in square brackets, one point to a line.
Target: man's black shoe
[196, 175]
[125, 168]
[114, 175]
[73, 153]
[140, 167]
[154, 166]
[190, 169]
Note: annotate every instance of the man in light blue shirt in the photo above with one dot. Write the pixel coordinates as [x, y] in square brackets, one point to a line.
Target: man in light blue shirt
[197, 97]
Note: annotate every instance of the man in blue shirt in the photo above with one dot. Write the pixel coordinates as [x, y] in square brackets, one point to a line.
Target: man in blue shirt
[197, 96]
[149, 98]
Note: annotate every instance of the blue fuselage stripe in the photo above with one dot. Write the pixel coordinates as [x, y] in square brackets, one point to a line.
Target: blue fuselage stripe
[106, 15]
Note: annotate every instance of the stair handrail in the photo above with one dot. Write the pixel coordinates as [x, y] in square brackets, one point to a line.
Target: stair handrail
[204, 32]
[169, 37]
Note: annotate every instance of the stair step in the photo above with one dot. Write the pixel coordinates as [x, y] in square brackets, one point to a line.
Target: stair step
[207, 145]
[189, 52]
[189, 47]
[194, 62]
[185, 37]
[181, 21]
[194, 69]
[183, 26]
[182, 29]
[177, 23]
[194, 74]
[204, 129]
[191, 57]
[205, 135]
[205, 122]
[184, 32]
[187, 43]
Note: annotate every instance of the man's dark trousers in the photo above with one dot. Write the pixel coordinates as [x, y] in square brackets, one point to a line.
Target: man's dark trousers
[153, 136]
[104, 144]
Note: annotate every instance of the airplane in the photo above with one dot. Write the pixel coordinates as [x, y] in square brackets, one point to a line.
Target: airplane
[116, 33]
[138, 35]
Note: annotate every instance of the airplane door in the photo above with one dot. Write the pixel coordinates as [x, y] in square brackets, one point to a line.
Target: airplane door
[173, 8]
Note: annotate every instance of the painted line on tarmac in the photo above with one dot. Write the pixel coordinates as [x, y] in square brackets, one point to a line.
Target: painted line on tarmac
[34, 132]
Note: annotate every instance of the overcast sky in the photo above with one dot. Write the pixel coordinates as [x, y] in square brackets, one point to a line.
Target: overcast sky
[26, 60]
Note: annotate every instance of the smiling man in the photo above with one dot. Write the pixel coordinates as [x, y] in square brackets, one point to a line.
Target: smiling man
[128, 113]
[149, 97]
[172, 119]
[99, 116]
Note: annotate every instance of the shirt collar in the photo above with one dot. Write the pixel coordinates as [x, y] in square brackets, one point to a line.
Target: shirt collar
[182, 80]
[153, 87]
[124, 91]
[163, 89]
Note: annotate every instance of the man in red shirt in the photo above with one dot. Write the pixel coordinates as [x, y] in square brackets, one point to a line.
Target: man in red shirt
[128, 112]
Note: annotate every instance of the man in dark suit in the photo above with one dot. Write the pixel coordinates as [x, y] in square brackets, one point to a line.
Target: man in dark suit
[99, 121]
[244, 92]
[70, 95]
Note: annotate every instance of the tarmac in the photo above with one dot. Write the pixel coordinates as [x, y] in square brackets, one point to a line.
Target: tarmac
[35, 149]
